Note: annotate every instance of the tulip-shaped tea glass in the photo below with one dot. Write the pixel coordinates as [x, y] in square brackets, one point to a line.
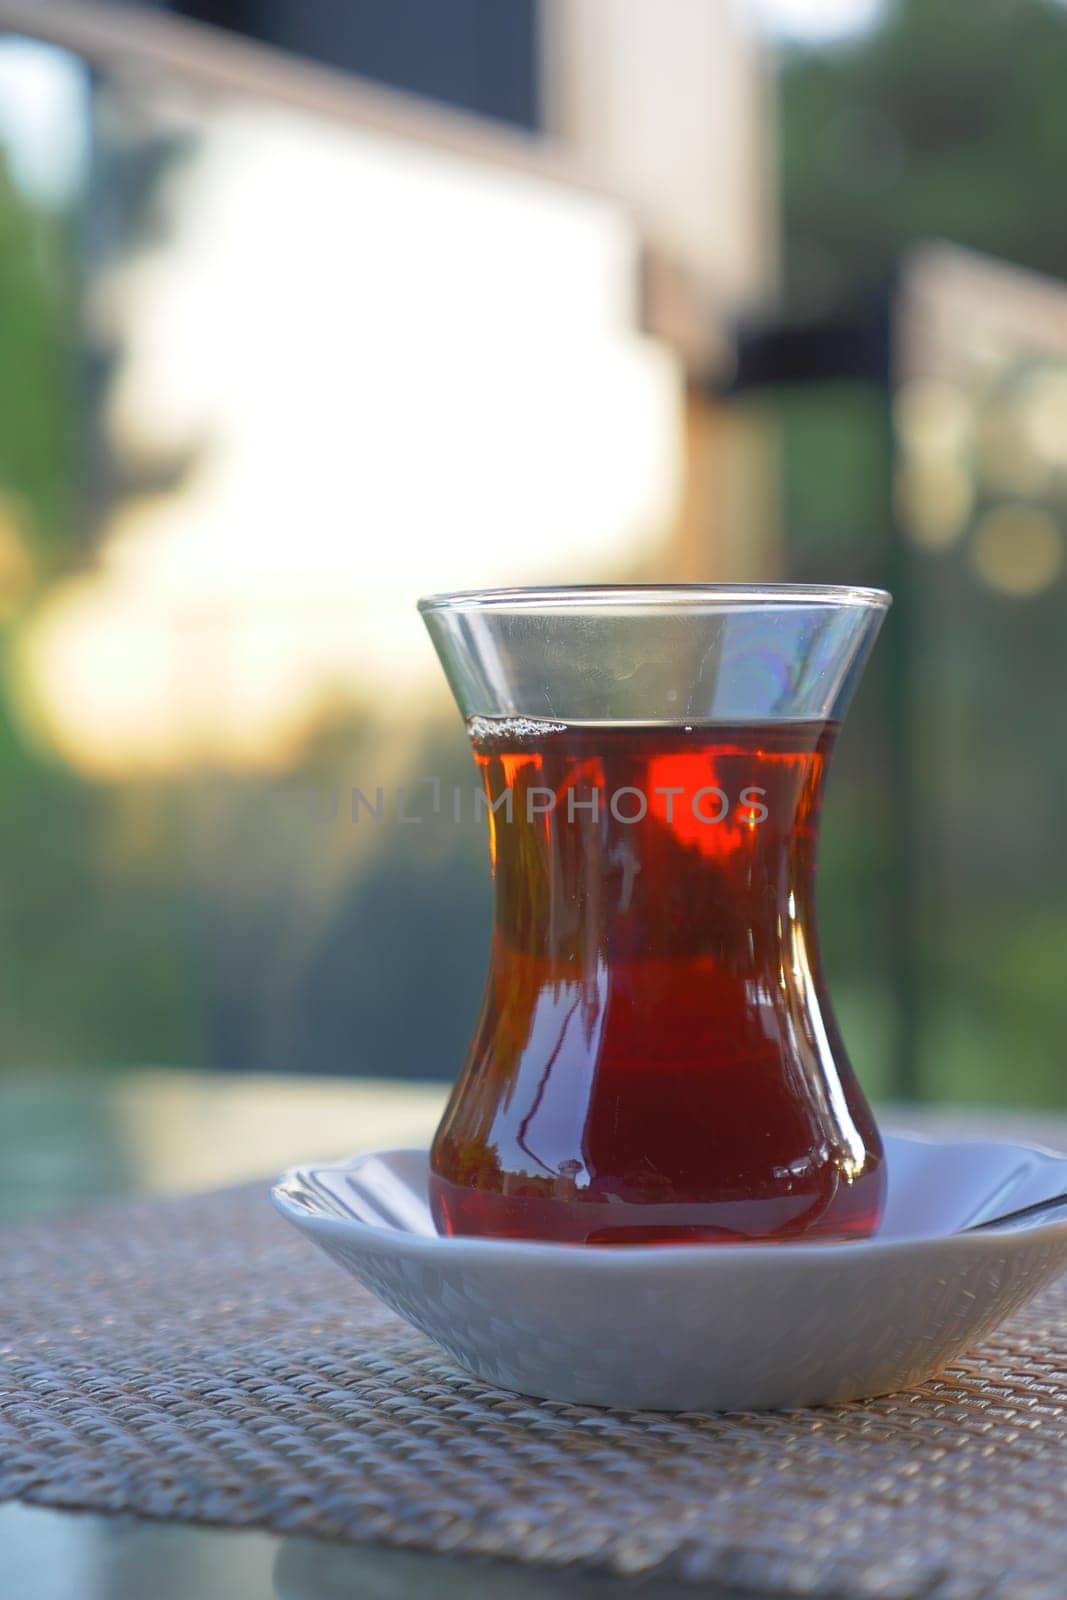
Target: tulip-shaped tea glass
[656, 1060]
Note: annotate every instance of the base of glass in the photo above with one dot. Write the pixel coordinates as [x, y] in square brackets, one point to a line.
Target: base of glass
[849, 1211]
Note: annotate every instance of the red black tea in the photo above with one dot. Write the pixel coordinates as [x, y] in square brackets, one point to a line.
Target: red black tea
[655, 1060]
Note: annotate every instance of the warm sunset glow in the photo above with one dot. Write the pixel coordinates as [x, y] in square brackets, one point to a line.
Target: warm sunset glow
[427, 378]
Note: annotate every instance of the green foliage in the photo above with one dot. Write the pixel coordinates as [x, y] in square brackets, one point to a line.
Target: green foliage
[37, 437]
[91, 967]
[947, 121]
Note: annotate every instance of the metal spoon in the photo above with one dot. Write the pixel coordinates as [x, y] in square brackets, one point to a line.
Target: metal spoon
[1057, 1202]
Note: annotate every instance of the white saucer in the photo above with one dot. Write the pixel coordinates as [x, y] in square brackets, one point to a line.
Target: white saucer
[705, 1327]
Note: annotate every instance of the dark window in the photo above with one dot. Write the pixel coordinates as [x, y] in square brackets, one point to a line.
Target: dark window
[481, 55]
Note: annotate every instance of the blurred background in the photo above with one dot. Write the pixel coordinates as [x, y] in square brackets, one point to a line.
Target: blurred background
[308, 310]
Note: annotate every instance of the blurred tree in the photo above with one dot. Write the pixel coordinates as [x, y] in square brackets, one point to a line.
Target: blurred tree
[36, 382]
[944, 121]
[87, 937]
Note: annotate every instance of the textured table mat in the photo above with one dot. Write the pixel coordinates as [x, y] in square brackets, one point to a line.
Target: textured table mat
[197, 1360]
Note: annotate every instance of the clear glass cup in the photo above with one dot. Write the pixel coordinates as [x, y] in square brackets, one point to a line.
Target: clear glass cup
[656, 1060]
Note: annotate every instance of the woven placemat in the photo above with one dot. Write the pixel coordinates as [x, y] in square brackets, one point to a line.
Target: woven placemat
[195, 1359]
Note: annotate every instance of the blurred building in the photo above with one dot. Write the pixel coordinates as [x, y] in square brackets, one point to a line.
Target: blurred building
[306, 310]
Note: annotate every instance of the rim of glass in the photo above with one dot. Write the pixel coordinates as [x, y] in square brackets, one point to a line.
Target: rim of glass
[668, 596]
